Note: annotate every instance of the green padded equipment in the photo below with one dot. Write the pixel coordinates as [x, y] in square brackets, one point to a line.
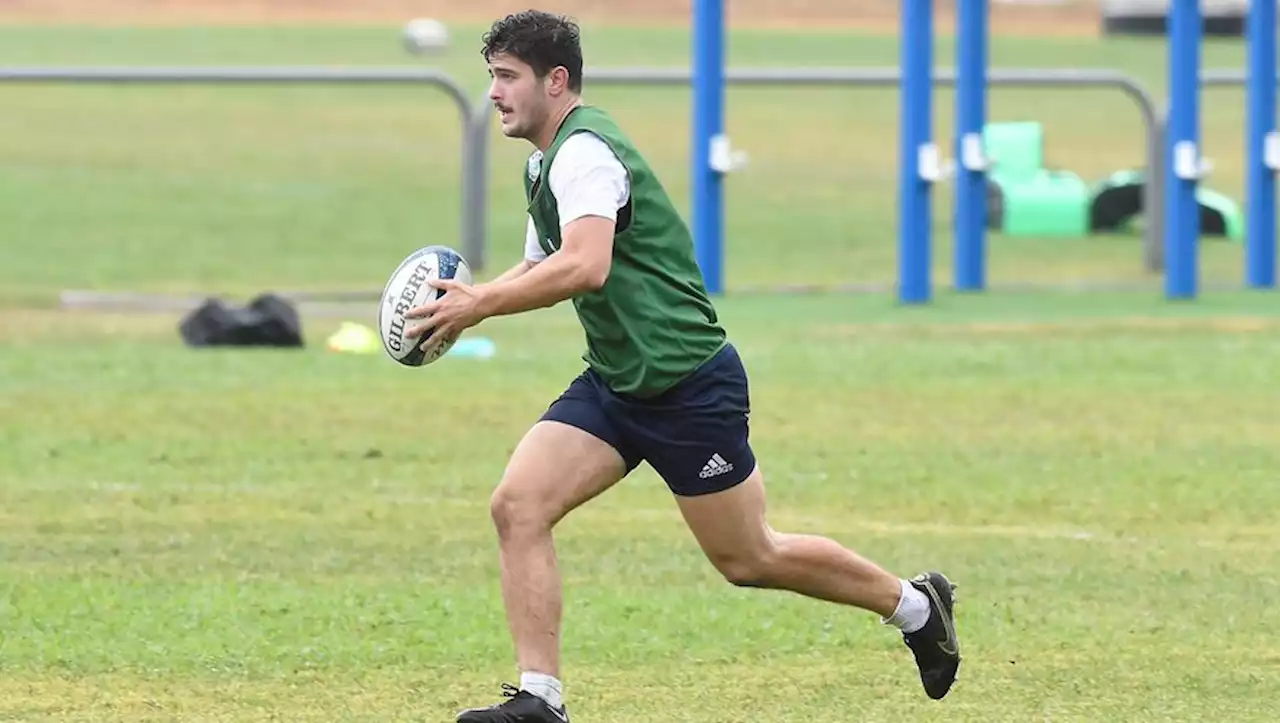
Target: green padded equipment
[1049, 204]
[1117, 200]
[1016, 149]
[1219, 215]
[1031, 200]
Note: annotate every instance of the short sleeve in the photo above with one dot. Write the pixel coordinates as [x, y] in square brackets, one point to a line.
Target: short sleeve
[532, 248]
[587, 179]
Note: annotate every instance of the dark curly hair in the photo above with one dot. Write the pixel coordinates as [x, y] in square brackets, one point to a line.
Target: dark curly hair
[541, 39]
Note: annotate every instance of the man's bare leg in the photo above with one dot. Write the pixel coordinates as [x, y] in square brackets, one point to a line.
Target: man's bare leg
[555, 468]
[732, 530]
[730, 527]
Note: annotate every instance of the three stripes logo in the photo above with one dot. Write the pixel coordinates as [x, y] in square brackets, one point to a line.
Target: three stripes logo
[714, 466]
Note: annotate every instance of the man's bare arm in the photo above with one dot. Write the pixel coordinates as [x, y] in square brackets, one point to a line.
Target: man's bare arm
[514, 272]
[581, 265]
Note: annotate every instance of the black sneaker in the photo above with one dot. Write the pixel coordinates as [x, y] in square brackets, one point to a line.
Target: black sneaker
[935, 646]
[520, 707]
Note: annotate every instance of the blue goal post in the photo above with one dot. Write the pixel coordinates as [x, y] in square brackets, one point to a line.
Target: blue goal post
[1262, 151]
[708, 123]
[921, 164]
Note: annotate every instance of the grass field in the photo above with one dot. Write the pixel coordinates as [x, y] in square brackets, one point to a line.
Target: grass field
[302, 536]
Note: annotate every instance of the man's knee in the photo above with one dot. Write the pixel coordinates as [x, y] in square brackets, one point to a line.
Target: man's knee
[555, 468]
[753, 568]
[515, 514]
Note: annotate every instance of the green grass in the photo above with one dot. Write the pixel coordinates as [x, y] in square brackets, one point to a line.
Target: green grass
[244, 188]
[261, 535]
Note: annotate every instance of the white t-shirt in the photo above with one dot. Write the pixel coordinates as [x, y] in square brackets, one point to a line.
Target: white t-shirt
[587, 179]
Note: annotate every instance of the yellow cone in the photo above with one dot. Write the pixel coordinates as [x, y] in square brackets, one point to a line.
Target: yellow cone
[354, 338]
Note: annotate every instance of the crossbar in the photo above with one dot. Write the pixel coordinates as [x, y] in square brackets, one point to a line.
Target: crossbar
[474, 151]
[892, 77]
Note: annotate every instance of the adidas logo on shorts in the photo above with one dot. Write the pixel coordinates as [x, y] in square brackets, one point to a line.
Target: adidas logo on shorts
[714, 466]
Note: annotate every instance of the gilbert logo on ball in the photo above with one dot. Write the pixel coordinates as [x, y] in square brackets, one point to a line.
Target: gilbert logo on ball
[410, 287]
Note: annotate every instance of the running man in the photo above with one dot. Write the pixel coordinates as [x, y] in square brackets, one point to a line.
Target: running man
[662, 382]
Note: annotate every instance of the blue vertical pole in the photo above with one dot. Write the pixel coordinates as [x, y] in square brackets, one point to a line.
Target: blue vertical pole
[708, 122]
[915, 127]
[1182, 150]
[971, 182]
[1260, 183]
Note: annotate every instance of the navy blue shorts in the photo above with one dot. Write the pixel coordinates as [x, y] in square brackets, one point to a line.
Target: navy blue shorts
[694, 435]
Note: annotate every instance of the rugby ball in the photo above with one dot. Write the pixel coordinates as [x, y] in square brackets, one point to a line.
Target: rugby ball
[409, 287]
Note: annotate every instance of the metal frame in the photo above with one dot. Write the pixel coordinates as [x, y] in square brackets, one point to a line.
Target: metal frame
[474, 147]
[475, 116]
[1153, 199]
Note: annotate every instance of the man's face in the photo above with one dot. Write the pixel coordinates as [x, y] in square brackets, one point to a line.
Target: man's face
[519, 95]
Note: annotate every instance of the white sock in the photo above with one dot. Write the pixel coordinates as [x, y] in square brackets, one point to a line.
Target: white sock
[545, 687]
[912, 612]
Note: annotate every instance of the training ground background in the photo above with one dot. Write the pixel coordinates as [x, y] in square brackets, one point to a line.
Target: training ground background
[299, 535]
